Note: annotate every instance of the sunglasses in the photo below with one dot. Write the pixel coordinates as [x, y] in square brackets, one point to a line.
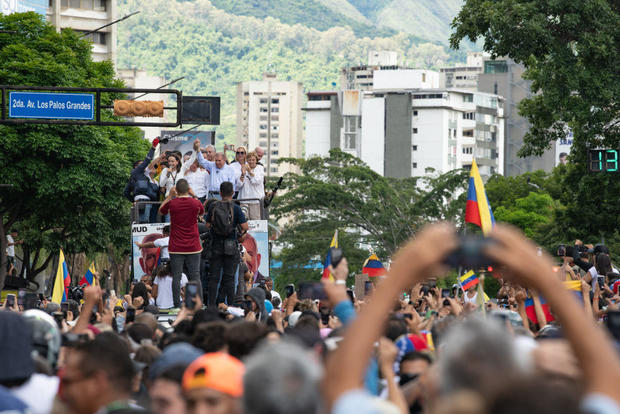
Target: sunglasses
[240, 152]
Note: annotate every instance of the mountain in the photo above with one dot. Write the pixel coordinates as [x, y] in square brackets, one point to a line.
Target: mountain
[215, 44]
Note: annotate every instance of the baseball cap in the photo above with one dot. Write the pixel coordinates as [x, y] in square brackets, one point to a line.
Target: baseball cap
[217, 371]
[180, 353]
[15, 347]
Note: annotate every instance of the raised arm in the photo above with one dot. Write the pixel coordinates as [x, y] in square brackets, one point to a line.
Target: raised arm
[189, 162]
[207, 165]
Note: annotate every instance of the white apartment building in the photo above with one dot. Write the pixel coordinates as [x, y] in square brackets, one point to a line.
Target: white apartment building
[408, 133]
[84, 16]
[361, 77]
[466, 76]
[269, 116]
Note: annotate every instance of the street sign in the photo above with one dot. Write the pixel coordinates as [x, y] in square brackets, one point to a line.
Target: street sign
[43, 105]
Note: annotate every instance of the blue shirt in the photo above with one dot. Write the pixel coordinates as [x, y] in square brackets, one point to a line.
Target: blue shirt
[217, 175]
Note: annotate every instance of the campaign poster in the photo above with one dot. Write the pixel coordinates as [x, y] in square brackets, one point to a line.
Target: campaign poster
[145, 259]
[185, 142]
[563, 147]
[256, 243]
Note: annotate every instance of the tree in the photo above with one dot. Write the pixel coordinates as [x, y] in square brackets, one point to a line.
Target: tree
[67, 181]
[570, 52]
[341, 192]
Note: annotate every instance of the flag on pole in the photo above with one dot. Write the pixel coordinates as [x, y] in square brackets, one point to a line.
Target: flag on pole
[478, 211]
[89, 277]
[373, 267]
[328, 258]
[468, 280]
[60, 291]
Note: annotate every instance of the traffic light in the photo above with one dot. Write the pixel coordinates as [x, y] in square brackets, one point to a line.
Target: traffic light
[131, 108]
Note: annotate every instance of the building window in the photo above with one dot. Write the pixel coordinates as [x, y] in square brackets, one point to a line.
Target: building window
[350, 132]
[467, 150]
[99, 5]
[468, 98]
[275, 118]
[415, 113]
[495, 66]
[263, 109]
[275, 152]
[275, 128]
[424, 77]
[98, 38]
[263, 100]
[469, 115]
[275, 101]
[263, 135]
[468, 133]
[275, 136]
[414, 164]
[262, 118]
[274, 145]
[246, 93]
[415, 147]
[274, 169]
[262, 144]
[262, 126]
[415, 130]
[275, 109]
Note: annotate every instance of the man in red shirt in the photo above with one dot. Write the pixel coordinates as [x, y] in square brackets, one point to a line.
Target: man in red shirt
[184, 245]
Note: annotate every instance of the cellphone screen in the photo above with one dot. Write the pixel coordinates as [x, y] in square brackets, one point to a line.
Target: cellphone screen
[290, 289]
[367, 287]
[21, 294]
[445, 293]
[601, 281]
[64, 306]
[10, 301]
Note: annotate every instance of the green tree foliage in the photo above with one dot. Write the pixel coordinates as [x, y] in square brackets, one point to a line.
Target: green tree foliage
[341, 192]
[67, 181]
[570, 50]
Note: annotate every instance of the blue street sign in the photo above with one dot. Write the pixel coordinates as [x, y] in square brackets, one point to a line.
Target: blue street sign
[51, 105]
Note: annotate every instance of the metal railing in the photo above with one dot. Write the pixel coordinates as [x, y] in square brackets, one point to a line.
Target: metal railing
[135, 209]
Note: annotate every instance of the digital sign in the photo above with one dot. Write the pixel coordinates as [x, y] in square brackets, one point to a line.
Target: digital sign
[603, 160]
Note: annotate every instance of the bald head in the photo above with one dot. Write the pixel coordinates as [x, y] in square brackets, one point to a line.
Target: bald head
[259, 152]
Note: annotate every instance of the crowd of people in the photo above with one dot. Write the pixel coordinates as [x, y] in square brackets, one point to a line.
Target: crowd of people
[153, 178]
[407, 347]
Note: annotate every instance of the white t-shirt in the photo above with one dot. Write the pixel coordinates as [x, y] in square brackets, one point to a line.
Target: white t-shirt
[164, 290]
[10, 250]
[38, 393]
[162, 243]
[594, 274]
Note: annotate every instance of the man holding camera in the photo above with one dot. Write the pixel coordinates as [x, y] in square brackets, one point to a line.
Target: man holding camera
[223, 219]
[184, 245]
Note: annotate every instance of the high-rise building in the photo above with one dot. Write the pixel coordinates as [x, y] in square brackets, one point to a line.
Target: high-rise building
[409, 133]
[269, 116]
[84, 16]
[504, 77]
[22, 6]
[362, 77]
[464, 77]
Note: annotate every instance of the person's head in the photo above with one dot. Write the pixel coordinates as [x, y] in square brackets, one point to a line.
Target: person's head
[220, 160]
[13, 233]
[174, 163]
[140, 290]
[281, 378]
[214, 384]
[166, 230]
[182, 187]
[252, 254]
[269, 283]
[210, 152]
[603, 263]
[414, 364]
[194, 166]
[211, 336]
[148, 255]
[259, 152]
[226, 189]
[187, 156]
[166, 393]
[147, 319]
[240, 154]
[96, 373]
[242, 338]
[562, 158]
[252, 159]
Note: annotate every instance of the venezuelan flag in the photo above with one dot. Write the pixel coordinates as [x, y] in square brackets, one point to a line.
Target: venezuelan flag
[531, 311]
[575, 287]
[328, 258]
[468, 280]
[373, 267]
[478, 211]
[89, 276]
[60, 292]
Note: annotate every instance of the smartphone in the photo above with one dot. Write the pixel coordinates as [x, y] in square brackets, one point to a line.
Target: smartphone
[131, 315]
[311, 290]
[368, 287]
[407, 316]
[613, 324]
[58, 317]
[21, 294]
[10, 300]
[336, 256]
[601, 281]
[191, 291]
[561, 250]
[432, 284]
[290, 289]
[64, 307]
[445, 293]
[113, 293]
[351, 296]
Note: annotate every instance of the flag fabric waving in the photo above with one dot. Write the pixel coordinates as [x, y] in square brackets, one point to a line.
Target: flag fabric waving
[571, 285]
[62, 282]
[468, 280]
[373, 267]
[328, 258]
[478, 211]
[89, 277]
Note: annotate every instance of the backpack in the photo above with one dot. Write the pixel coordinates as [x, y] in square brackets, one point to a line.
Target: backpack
[223, 218]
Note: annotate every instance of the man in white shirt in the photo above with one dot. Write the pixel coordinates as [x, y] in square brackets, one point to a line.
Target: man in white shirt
[162, 288]
[219, 171]
[10, 250]
[199, 181]
[161, 243]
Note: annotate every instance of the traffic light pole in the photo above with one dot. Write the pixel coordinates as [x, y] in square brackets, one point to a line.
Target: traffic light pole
[7, 119]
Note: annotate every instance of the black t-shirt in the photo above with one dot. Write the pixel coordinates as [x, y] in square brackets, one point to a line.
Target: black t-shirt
[238, 218]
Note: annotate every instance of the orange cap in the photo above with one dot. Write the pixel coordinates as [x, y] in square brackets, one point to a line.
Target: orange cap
[218, 371]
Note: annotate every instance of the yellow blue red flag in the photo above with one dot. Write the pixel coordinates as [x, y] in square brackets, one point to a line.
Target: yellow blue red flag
[478, 210]
[328, 258]
[60, 291]
[373, 267]
[89, 277]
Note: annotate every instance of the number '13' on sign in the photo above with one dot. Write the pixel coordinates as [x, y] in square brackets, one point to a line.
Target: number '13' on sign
[611, 160]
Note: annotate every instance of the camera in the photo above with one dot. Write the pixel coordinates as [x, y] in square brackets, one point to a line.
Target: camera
[561, 252]
[470, 253]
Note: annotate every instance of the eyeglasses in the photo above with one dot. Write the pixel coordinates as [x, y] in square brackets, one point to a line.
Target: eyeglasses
[240, 152]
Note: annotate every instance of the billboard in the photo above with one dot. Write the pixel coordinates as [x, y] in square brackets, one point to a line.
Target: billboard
[22, 6]
[563, 147]
[144, 260]
[256, 243]
[185, 141]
